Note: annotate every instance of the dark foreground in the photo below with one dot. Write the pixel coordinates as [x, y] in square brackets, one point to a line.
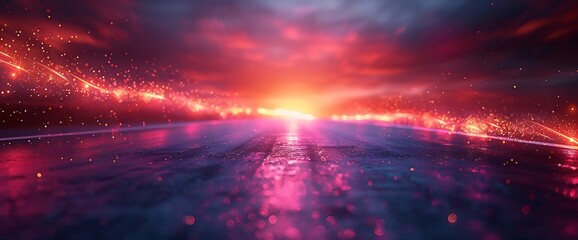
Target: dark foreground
[269, 179]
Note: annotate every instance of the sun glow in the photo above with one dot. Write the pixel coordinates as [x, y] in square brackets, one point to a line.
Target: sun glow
[285, 113]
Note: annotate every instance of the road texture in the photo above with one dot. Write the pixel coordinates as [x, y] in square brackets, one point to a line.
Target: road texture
[283, 179]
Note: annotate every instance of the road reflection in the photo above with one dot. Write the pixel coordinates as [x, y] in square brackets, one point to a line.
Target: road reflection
[284, 176]
[285, 180]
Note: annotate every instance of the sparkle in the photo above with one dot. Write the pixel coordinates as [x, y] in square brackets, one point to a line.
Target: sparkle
[452, 218]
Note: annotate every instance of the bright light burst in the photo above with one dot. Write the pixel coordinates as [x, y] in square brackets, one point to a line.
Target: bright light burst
[284, 113]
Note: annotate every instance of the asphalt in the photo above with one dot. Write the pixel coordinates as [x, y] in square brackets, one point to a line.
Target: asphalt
[284, 179]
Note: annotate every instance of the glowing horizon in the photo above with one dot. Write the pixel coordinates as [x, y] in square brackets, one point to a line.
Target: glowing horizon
[374, 61]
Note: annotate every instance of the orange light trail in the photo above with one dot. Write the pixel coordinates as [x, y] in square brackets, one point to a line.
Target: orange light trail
[14, 65]
[89, 84]
[572, 140]
[52, 71]
[123, 93]
[470, 126]
[484, 136]
[6, 55]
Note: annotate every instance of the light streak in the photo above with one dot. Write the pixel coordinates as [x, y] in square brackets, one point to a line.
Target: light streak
[89, 84]
[484, 136]
[6, 55]
[572, 140]
[110, 131]
[52, 71]
[123, 93]
[470, 126]
[14, 65]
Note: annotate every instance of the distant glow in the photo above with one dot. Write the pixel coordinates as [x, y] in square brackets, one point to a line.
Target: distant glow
[284, 113]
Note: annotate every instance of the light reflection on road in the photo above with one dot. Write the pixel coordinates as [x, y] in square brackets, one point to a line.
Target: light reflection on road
[285, 179]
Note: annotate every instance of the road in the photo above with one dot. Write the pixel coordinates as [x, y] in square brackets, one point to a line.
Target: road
[284, 179]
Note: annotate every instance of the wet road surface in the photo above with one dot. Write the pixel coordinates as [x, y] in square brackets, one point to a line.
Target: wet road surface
[275, 179]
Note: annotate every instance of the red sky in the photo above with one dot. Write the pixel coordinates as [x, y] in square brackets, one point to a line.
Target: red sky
[324, 56]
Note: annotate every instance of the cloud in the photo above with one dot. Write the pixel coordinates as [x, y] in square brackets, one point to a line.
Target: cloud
[291, 49]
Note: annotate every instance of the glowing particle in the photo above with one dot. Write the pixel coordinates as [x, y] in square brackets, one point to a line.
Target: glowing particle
[264, 211]
[348, 233]
[379, 227]
[330, 220]
[189, 220]
[452, 218]
[315, 214]
[293, 233]
[38, 174]
[525, 210]
[272, 219]
[350, 207]
[260, 224]
[230, 223]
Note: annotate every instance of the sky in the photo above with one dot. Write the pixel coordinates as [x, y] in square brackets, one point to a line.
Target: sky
[320, 57]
